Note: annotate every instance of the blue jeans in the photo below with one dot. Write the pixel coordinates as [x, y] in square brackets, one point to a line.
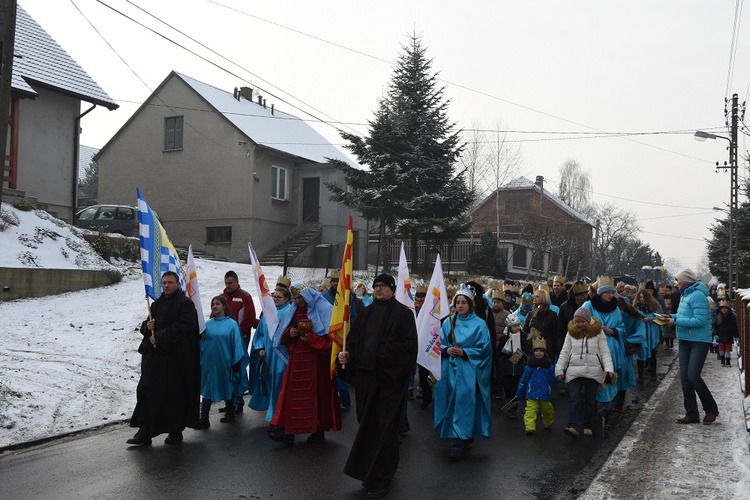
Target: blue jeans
[344, 398]
[692, 355]
[582, 396]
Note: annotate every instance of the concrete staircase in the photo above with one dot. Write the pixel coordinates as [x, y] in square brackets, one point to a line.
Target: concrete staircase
[295, 243]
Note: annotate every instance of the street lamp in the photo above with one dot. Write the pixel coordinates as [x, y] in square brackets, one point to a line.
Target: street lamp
[733, 265]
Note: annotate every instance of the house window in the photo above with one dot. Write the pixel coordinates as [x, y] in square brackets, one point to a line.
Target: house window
[520, 259]
[173, 132]
[516, 204]
[221, 234]
[278, 183]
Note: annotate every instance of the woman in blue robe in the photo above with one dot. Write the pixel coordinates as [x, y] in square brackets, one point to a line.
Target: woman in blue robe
[603, 306]
[221, 351]
[647, 305]
[462, 395]
[267, 367]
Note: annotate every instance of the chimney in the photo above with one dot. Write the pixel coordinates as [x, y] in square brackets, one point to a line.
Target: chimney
[260, 99]
[271, 108]
[264, 103]
[234, 94]
[246, 92]
[540, 181]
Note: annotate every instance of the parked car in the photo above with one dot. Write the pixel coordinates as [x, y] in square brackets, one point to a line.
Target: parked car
[120, 219]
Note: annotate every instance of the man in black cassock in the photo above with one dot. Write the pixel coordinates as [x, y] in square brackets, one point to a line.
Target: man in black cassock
[380, 357]
[168, 392]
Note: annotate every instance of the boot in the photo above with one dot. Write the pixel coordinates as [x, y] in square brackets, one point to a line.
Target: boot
[639, 379]
[723, 360]
[606, 425]
[718, 356]
[203, 423]
[228, 415]
[729, 364]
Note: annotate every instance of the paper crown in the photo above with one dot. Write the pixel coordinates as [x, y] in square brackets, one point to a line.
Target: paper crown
[297, 288]
[725, 303]
[543, 286]
[580, 287]
[497, 294]
[510, 286]
[604, 280]
[421, 288]
[284, 281]
[466, 290]
[549, 282]
[495, 284]
[558, 279]
[527, 299]
[326, 283]
[538, 343]
[334, 274]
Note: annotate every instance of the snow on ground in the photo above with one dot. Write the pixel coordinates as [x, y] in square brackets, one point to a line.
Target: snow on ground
[70, 361]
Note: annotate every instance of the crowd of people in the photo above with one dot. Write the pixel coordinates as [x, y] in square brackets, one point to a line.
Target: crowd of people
[589, 342]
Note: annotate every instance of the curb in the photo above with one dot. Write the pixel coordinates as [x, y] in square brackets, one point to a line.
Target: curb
[36, 442]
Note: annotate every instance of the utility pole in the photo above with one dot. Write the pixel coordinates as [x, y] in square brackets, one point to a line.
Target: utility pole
[734, 281]
[7, 43]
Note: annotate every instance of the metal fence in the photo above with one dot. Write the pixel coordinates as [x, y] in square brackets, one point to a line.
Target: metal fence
[743, 357]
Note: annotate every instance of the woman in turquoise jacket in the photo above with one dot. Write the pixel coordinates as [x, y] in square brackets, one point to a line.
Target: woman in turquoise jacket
[693, 325]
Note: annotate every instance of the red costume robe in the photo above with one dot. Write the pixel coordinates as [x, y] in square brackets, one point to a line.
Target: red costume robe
[308, 401]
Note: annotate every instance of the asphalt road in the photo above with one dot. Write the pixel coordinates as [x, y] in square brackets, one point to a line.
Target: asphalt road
[238, 460]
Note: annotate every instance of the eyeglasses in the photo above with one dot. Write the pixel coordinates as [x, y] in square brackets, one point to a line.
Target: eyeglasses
[379, 285]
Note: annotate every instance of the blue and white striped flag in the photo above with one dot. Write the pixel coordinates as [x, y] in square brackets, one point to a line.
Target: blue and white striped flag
[157, 253]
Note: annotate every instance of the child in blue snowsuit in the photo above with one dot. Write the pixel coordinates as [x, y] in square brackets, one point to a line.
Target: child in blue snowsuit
[535, 386]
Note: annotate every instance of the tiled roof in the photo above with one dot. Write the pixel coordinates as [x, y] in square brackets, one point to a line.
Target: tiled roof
[85, 155]
[40, 60]
[524, 183]
[277, 130]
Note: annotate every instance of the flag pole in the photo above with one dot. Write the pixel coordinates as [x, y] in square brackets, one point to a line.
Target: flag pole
[148, 306]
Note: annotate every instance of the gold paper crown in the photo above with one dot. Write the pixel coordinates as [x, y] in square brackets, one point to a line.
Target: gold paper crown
[538, 343]
[334, 274]
[497, 294]
[527, 299]
[580, 288]
[326, 283]
[297, 288]
[543, 286]
[549, 282]
[558, 279]
[421, 288]
[604, 280]
[495, 284]
[725, 303]
[284, 281]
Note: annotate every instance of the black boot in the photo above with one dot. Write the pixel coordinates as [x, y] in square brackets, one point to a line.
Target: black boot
[606, 425]
[729, 364]
[723, 360]
[141, 438]
[228, 415]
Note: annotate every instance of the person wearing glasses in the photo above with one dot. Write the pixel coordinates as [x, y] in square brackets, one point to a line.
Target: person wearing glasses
[462, 396]
[380, 355]
[267, 370]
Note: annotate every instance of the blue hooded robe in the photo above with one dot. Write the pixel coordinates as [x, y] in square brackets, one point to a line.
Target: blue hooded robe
[460, 411]
[221, 347]
[266, 376]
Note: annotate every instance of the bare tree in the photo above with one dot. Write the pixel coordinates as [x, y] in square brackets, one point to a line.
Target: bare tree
[575, 187]
[612, 222]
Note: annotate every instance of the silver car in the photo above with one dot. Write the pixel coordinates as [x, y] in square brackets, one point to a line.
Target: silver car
[120, 219]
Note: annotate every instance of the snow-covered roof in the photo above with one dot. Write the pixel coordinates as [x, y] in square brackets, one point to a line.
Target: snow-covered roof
[524, 183]
[38, 59]
[277, 130]
[85, 156]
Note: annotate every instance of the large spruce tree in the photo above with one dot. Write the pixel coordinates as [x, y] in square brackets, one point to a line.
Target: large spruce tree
[410, 184]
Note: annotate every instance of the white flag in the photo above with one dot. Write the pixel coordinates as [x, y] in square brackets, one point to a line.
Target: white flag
[403, 284]
[264, 294]
[193, 291]
[435, 308]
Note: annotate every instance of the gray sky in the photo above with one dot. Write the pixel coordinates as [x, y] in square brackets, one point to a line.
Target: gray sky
[533, 66]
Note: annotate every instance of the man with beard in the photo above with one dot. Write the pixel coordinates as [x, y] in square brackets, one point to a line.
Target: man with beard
[558, 295]
[168, 391]
[380, 356]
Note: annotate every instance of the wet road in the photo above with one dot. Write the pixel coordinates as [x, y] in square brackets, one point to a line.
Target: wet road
[238, 460]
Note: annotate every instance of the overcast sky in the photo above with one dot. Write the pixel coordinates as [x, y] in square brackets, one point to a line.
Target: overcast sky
[534, 66]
